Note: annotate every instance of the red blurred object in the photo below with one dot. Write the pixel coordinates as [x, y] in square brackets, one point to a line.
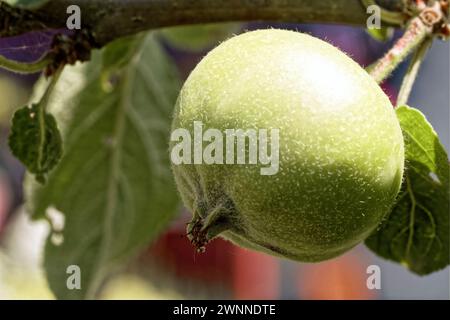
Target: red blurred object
[343, 278]
[247, 274]
[174, 251]
[255, 276]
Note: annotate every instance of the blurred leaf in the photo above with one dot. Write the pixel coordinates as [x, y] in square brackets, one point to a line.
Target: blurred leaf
[27, 4]
[199, 37]
[35, 140]
[14, 94]
[416, 233]
[113, 185]
[381, 34]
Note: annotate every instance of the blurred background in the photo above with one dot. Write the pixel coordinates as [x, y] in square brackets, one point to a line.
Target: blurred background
[170, 268]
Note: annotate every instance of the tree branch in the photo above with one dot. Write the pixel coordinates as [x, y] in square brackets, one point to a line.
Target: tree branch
[424, 25]
[111, 19]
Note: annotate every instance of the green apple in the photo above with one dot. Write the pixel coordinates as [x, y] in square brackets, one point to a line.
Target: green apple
[340, 147]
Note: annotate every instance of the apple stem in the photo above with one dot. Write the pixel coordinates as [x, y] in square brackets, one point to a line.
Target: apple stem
[419, 29]
[411, 73]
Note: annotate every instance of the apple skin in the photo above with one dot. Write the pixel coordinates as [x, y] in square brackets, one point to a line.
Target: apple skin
[341, 147]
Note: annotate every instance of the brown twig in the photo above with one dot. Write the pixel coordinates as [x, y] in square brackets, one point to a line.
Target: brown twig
[117, 18]
[420, 27]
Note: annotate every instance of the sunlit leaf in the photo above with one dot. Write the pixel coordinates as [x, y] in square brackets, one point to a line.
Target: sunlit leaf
[113, 185]
[416, 233]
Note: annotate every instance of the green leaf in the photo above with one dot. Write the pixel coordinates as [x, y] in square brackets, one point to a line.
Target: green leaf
[416, 233]
[26, 4]
[381, 34]
[113, 185]
[35, 140]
